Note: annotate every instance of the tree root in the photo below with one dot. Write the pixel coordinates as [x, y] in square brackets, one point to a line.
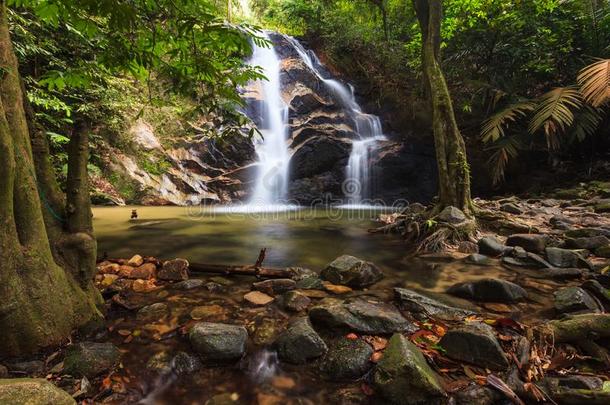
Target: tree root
[424, 230]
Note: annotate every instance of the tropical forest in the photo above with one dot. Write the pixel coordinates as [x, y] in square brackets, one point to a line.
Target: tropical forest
[305, 202]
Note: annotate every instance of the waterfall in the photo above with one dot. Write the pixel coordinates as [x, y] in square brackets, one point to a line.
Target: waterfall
[272, 150]
[357, 185]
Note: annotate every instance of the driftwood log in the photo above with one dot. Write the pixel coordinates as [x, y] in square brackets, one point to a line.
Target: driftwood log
[257, 270]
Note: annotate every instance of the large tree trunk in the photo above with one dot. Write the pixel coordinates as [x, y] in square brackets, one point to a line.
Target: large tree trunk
[453, 169]
[42, 297]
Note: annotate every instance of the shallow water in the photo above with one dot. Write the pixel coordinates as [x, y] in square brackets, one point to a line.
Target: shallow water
[307, 238]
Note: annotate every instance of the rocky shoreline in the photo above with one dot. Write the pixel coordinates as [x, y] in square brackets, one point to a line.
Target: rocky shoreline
[539, 333]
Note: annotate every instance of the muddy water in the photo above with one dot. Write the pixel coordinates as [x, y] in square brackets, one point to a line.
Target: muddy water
[305, 238]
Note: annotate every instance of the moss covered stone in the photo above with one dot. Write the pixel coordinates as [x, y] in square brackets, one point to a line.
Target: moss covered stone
[346, 359]
[90, 359]
[32, 391]
[404, 377]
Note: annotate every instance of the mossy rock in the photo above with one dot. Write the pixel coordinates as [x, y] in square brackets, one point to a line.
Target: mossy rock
[32, 391]
[88, 359]
[569, 194]
[404, 377]
[346, 359]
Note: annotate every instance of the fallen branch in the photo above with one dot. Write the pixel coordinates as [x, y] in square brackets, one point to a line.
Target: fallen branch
[259, 272]
[255, 270]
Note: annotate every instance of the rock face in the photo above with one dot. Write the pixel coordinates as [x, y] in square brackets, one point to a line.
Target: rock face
[346, 359]
[359, 316]
[475, 343]
[31, 391]
[217, 342]
[423, 307]
[300, 342]
[185, 166]
[351, 271]
[404, 377]
[489, 290]
[88, 359]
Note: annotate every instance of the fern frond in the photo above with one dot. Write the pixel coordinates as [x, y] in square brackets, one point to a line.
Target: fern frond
[554, 113]
[493, 127]
[594, 82]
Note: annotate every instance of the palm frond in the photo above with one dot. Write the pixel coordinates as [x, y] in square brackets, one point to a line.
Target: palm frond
[493, 128]
[504, 150]
[554, 113]
[586, 122]
[594, 82]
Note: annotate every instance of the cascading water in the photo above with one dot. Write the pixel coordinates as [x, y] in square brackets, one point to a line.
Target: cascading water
[357, 185]
[272, 177]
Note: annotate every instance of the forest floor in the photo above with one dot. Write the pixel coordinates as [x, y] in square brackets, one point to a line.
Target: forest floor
[528, 325]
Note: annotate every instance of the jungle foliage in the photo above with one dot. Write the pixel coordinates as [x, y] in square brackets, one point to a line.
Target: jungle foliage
[503, 60]
[109, 62]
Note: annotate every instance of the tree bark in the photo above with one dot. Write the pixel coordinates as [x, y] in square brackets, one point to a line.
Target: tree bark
[453, 169]
[41, 302]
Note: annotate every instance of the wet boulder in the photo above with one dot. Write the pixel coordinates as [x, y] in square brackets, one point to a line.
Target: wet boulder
[403, 376]
[360, 316]
[275, 286]
[529, 241]
[32, 368]
[475, 343]
[479, 259]
[189, 284]
[153, 312]
[32, 391]
[257, 298]
[489, 290]
[295, 301]
[423, 307]
[351, 271]
[146, 271]
[511, 208]
[491, 246]
[477, 395]
[565, 258]
[184, 363]
[600, 292]
[217, 342]
[452, 215]
[346, 359]
[603, 251]
[306, 278]
[574, 299]
[89, 359]
[174, 270]
[300, 343]
[590, 243]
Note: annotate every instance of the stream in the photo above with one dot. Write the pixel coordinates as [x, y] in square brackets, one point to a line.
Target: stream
[301, 237]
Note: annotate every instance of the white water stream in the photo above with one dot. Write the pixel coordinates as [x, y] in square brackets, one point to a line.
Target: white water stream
[272, 150]
[271, 185]
[357, 185]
